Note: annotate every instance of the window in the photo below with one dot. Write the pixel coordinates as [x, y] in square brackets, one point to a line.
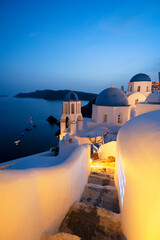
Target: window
[65, 108]
[105, 118]
[121, 179]
[67, 122]
[72, 108]
[138, 88]
[147, 89]
[136, 101]
[131, 89]
[119, 118]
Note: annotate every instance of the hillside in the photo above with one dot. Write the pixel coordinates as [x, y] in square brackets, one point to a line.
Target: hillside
[55, 95]
[87, 109]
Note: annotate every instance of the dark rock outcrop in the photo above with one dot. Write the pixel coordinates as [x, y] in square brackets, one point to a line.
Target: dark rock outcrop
[58, 123]
[87, 109]
[57, 133]
[52, 120]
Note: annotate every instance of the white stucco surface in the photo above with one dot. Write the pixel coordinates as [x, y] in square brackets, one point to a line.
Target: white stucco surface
[111, 113]
[72, 111]
[146, 107]
[34, 200]
[108, 149]
[138, 178]
[133, 87]
[109, 132]
[136, 97]
[153, 98]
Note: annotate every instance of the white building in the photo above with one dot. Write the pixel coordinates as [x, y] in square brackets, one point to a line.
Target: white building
[140, 83]
[135, 98]
[71, 120]
[152, 103]
[139, 88]
[111, 107]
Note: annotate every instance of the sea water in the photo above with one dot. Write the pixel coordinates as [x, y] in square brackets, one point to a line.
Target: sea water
[17, 114]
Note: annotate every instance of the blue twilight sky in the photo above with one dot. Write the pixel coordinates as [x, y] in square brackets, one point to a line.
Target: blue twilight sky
[86, 44]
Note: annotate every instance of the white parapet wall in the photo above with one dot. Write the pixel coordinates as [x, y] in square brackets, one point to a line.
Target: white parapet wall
[144, 108]
[138, 176]
[108, 149]
[34, 201]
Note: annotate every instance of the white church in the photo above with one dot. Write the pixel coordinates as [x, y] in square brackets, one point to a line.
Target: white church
[126, 125]
[111, 110]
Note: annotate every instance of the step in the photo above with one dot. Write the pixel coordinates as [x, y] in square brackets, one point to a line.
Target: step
[101, 196]
[101, 180]
[92, 223]
[102, 169]
[100, 174]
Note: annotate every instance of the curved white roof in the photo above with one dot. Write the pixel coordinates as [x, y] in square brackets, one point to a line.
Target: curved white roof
[137, 176]
[140, 137]
[153, 98]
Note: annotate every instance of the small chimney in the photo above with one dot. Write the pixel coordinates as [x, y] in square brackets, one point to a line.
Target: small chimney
[122, 88]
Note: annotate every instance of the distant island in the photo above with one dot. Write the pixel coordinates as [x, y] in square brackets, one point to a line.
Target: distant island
[55, 95]
[2, 95]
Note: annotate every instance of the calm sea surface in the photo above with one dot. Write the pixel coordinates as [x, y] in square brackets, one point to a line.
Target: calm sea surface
[16, 114]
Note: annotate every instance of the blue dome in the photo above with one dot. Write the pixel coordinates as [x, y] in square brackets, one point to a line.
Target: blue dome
[71, 96]
[112, 97]
[141, 77]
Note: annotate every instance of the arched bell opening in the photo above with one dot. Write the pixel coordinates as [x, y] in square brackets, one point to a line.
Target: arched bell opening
[67, 122]
[80, 122]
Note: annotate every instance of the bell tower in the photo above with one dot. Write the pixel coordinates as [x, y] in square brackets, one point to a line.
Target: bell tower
[71, 112]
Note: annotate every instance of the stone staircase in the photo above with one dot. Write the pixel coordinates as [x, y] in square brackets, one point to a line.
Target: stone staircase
[101, 192]
[97, 215]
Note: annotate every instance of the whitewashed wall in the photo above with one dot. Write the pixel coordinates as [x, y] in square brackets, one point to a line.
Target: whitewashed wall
[107, 149]
[138, 176]
[34, 201]
[125, 111]
[112, 114]
[143, 86]
[135, 96]
[144, 108]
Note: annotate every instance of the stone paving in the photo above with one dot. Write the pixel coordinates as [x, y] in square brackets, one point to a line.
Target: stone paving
[96, 216]
[101, 192]
[92, 223]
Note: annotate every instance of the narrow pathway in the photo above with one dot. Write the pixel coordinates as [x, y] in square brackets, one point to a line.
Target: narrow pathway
[96, 216]
[101, 192]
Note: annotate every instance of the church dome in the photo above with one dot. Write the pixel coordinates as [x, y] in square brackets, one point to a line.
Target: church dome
[140, 77]
[111, 97]
[71, 96]
[153, 98]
